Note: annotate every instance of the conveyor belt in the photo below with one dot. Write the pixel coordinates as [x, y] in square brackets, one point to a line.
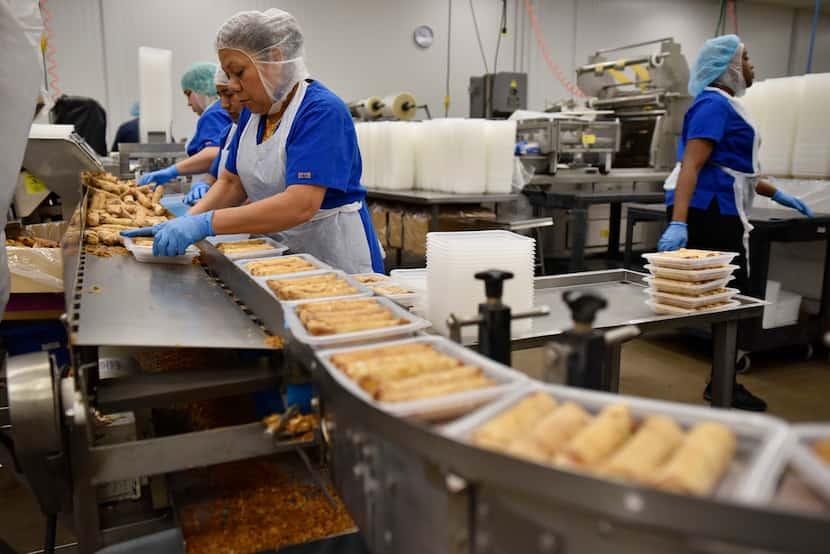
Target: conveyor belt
[122, 302]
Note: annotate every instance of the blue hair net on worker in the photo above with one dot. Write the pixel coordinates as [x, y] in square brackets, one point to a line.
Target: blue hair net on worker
[720, 60]
[199, 78]
[134, 109]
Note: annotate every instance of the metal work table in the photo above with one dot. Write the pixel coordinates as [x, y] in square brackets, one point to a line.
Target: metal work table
[196, 312]
[769, 225]
[616, 176]
[434, 200]
[626, 306]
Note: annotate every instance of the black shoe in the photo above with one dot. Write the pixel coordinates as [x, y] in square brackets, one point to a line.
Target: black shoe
[742, 399]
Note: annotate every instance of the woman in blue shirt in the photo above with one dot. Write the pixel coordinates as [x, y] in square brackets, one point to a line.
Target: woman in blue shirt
[294, 155]
[711, 189]
[200, 91]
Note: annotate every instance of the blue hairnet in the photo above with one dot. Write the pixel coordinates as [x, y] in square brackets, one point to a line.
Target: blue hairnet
[712, 61]
[134, 109]
[199, 78]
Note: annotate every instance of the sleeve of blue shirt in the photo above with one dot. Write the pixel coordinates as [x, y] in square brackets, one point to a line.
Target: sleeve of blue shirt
[708, 120]
[209, 130]
[214, 167]
[230, 164]
[318, 151]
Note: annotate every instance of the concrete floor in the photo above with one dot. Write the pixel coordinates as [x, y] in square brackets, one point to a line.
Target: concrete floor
[672, 367]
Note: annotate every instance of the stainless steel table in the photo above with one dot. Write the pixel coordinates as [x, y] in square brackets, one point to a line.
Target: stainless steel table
[626, 306]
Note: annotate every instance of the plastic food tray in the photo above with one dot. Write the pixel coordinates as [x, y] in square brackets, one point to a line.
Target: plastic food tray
[413, 278]
[362, 290]
[442, 407]
[761, 439]
[406, 299]
[814, 470]
[308, 257]
[144, 254]
[413, 325]
[667, 309]
[687, 287]
[689, 302]
[661, 260]
[692, 274]
[276, 249]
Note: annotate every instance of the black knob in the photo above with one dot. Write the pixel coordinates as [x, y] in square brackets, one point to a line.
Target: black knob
[584, 306]
[494, 282]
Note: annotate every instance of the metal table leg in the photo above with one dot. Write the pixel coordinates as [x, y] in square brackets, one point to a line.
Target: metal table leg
[629, 240]
[435, 218]
[724, 335]
[579, 232]
[614, 223]
[611, 379]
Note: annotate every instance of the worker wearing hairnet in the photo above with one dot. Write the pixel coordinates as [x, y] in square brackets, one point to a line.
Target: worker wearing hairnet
[230, 104]
[710, 191]
[198, 87]
[128, 131]
[294, 155]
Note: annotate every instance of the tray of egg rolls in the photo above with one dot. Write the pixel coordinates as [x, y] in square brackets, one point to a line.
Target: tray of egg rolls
[330, 322]
[426, 378]
[676, 448]
[810, 444]
[239, 248]
[327, 283]
[273, 266]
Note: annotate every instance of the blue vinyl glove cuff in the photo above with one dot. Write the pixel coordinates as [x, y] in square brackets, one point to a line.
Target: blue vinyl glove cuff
[197, 191]
[159, 177]
[792, 202]
[674, 237]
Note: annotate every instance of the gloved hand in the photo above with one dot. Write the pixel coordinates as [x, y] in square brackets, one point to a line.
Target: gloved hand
[173, 237]
[792, 202]
[159, 177]
[197, 191]
[674, 237]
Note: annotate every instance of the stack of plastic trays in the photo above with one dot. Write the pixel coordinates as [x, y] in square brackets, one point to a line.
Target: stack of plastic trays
[470, 168]
[453, 259]
[782, 104]
[399, 171]
[680, 286]
[811, 153]
[501, 143]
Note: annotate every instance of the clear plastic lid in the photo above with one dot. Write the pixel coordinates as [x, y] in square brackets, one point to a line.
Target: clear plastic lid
[692, 302]
[688, 288]
[672, 260]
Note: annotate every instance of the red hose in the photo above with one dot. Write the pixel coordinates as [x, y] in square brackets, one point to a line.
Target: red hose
[51, 63]
[543, 47]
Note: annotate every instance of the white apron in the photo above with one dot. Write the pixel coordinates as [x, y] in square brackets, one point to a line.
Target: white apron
[743, 186]
[223, 154]
[335, 236]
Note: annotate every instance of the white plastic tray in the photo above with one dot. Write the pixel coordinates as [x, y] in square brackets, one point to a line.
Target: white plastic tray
[442, 407]
[692, 274]
[659, 259]
[276, 249]
[813, 469]
[308, 257]
[362, 290]
[689, 302]
[761, 439]
[300, 333]
[413, 278]
[216, 239]
[667, 309]
[380, 276]
[407, 299]
[687, 287]
[144, 254]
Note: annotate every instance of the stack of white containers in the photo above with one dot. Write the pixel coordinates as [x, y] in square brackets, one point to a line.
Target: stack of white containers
[460, 156]
[811, 153]
[682, 285]
[453, 259]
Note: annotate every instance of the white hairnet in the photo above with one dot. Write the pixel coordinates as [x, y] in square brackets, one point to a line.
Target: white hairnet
[220, 78]
[733, 75]
[273, 40]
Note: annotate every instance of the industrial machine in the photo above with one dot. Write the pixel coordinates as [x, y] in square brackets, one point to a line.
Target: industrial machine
[647, 94]
[144, 157]
[497, 95]
[410, 486]
[570, 142]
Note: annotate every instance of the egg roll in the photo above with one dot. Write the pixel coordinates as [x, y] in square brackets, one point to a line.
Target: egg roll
[551, 434]
[593, 444]
[431, 384]
[370, 353]
[500, 431]
[700, 462]
[652, 444]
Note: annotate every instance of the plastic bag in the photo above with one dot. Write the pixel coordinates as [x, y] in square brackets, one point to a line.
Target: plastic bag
[35, 269]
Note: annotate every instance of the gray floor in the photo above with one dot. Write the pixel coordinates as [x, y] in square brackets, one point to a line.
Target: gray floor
[673, 367]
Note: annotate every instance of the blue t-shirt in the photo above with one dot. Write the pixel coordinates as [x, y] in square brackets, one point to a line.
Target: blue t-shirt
[209, 129]
[321, 148]
[711, 116]
[214, 167]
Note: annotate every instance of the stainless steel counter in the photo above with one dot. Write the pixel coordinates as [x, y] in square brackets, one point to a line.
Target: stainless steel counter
[426, 197]
[616, 176]
[126, 303]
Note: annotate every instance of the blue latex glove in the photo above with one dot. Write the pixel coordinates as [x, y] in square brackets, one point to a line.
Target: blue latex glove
[159, 177]
[674, 237]
[173, 237]
[197, 191]
[792, 202]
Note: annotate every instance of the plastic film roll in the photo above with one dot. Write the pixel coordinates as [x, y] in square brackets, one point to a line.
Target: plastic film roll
[401, 106]
[367, 108]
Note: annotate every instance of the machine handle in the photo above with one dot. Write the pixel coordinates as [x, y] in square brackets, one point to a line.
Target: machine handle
[493, 282]
[584, 306]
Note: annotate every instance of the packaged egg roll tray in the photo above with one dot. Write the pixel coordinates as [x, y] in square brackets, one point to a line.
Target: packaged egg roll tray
[312, 263]
[357, 289]
[695, 275]
[696, 259]
[760, 440]
[504, 380]
[239, 248]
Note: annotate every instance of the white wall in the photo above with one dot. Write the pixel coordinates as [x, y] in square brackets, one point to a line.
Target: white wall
[364, 47]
